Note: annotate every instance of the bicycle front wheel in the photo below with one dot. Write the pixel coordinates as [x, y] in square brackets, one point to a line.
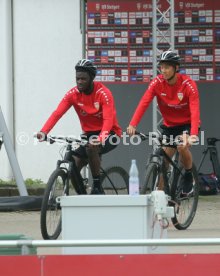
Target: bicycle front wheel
[151, 179]
[50, 219]
[184, 206]
[114, 180]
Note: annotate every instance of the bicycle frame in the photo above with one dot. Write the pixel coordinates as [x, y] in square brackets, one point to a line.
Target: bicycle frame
[73, 171]
[171, 183]
[159, 155]
[59, 185]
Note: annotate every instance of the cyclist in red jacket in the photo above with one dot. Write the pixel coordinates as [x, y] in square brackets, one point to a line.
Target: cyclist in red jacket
[178, 100]
[94, 105]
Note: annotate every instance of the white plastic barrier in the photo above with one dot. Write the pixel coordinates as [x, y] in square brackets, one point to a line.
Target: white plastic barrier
[109, 217]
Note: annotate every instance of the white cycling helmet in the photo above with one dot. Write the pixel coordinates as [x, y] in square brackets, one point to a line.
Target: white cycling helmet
[169, 57]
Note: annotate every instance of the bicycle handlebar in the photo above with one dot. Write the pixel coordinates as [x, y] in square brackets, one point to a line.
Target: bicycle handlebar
[67, 139]
[145, 136]
[163, 140]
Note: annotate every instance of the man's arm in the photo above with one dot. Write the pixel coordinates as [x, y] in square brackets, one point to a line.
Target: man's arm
[108, 113]
[143, 105]
[61, 109]
[194, 109]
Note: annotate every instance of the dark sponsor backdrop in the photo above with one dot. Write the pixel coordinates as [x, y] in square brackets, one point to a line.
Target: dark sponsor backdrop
[119, 38]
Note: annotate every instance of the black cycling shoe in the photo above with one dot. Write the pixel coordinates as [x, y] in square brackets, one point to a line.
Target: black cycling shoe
[97, 191]
[187, 183]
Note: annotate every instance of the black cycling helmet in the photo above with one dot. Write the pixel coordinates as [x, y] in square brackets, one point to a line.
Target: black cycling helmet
[86, 65]
[169, 57]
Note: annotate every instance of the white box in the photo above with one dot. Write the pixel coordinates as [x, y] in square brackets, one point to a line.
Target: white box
[110, 217]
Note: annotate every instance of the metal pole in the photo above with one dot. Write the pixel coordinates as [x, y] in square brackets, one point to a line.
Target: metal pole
[11, 155]
[154, 5]
[7, 47]
[6, 69]
[160, 16]
[112, 242]
[172, 25]
[82, 26]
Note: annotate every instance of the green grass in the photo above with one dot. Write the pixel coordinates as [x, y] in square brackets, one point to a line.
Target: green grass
[29, 182]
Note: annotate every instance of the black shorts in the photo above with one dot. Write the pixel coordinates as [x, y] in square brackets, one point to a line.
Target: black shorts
[110, 143]
[175, 131]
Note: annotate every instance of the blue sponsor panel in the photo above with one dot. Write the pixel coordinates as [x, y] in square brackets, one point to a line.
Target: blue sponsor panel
[91, 15]
[104, 53]
[132, 34]
[99, 72]
[202, 19]
[188, 52]
[133, 78]
[139, 72]
[146, 53]
[195, 39]
[217, 77]
[118, 21]
[217, 33]
[182, 71]
[111, 40]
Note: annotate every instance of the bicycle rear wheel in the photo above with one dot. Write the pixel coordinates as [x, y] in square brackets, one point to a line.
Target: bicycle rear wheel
[184, 206]
[114, 180]
[50, 219]
[151, 179]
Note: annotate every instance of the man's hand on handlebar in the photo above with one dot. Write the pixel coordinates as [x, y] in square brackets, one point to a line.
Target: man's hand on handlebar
[187, 140]
[131, 130]
[193, 139]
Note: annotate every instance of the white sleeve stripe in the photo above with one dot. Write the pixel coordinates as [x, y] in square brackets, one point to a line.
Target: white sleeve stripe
[159, 79]
[191, 87]
[100, 89]
[185, 81]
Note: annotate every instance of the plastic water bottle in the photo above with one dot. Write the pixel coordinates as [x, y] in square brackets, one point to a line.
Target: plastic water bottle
[133, 179]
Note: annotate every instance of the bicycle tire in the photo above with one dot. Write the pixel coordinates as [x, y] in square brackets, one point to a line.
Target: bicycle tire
[114, 180]
[151, 179]
[184, 207]
[50, 216]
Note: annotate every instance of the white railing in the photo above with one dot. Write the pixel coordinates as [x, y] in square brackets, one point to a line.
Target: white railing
[102, 243]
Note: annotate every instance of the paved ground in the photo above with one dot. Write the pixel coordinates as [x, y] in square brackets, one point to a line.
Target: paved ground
[205, 225]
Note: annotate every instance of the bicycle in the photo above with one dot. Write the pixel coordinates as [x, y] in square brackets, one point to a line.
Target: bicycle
[184, 205]
[114, 180]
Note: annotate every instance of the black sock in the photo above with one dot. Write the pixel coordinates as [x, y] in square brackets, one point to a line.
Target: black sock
[96, 181]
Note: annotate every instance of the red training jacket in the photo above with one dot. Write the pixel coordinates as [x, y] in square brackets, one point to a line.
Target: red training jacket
[96, 111]
[178, 103]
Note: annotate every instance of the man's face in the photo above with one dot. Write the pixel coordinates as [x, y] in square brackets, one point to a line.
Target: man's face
[167, 70]
[83, 81]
